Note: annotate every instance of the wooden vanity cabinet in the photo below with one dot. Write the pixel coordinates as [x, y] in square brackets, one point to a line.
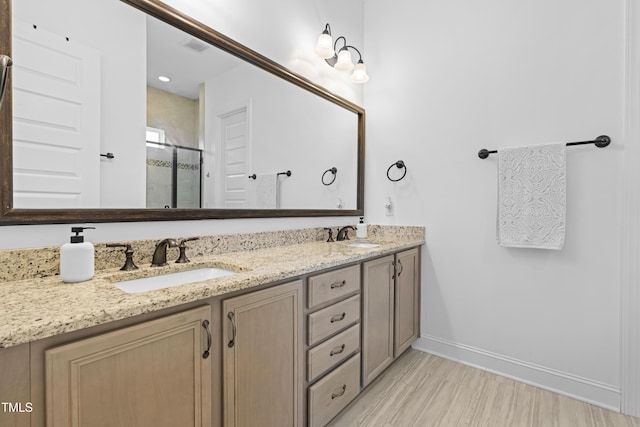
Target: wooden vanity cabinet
[390, 310]
[156, 373]
[347, 323]
[263, 375]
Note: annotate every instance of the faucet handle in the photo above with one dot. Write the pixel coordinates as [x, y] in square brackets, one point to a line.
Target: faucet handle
[330, 239]
[182, 258]
[190, 239]
[128, 251]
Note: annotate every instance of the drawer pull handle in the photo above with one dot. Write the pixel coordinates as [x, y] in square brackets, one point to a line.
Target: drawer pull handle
[232, 318]
[338, 284]
[205, 325]
[401, 268]
[338, 317]
[343, 389]
[337, 350]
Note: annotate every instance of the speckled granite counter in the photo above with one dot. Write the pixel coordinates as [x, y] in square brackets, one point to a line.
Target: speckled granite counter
[33, 309]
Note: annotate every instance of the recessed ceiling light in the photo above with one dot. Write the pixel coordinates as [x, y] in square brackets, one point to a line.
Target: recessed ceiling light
[164, 79]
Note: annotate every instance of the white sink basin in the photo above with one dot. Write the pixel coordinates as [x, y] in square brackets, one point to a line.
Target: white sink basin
[363, 245]
[172, 279]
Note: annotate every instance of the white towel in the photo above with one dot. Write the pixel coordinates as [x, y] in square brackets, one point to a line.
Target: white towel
[267, 192]
[532, 195]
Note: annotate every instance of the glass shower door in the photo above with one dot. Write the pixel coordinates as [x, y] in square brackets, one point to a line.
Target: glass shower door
[173, 176]
[188, 177]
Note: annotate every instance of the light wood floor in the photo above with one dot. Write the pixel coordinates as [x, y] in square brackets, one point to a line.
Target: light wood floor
[425, 390]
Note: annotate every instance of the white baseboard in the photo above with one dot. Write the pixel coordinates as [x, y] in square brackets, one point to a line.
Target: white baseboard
[594, 392]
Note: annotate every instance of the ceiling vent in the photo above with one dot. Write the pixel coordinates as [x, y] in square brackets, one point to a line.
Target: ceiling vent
[196, 45]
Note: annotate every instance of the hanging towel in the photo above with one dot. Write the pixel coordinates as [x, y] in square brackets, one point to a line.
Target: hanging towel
[532, 196]
[267, 191]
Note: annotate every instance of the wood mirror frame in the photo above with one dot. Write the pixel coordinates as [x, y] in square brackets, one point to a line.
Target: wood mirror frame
[11, 216]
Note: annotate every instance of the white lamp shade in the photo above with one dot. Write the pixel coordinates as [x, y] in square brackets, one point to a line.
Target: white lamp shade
[324, 47]
[344, 61]
[360, 73]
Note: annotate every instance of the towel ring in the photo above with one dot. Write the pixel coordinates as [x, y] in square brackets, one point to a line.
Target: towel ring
[334, 171]
[399, 164]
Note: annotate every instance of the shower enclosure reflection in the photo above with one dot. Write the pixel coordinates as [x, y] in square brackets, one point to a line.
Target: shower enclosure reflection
[173, 176]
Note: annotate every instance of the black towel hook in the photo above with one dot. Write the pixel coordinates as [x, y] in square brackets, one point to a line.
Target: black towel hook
[334, 171]
[399, 164]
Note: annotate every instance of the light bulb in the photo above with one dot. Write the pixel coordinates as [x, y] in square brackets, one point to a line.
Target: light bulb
[344, 60]
[360, 73]
[324, 47]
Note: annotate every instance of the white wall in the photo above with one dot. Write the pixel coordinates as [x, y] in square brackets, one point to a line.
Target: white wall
[287, 38]
[122, 84]
[449, 78]
[324, 137]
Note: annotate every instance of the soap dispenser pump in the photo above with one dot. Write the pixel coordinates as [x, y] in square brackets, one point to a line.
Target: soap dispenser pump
[361, 229]
[77, 258]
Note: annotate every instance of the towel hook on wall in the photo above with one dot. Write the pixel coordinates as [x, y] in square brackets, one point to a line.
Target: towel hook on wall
[400, 165]
[334, 171]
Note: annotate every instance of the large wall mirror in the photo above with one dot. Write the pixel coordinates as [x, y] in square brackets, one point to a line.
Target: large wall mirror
[128, 110]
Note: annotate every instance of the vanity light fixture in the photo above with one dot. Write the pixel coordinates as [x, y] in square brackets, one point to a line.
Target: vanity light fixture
[326, 48]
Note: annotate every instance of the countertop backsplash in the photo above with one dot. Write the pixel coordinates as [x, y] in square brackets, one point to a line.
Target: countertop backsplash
[32, 263]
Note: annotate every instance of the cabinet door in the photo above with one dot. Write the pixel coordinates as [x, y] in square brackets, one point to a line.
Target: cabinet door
[14, 387]
[151, 374]
[407, 300]
[377, 317]
[262, 359]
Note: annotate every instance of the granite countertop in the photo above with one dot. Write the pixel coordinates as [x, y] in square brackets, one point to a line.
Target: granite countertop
[33, 309]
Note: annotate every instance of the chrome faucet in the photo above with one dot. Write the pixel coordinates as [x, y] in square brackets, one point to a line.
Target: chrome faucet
[160, 254]
[343, 233]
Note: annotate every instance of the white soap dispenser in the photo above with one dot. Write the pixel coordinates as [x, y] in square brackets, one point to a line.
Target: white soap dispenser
[361, 229]
[77, 258]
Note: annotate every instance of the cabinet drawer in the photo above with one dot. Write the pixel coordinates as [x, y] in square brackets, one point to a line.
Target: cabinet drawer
[332, 285]
[326, 322]
[332, 352]
[331, 394]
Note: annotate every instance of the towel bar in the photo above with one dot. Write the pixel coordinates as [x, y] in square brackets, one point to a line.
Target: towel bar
[601, 142]
[254, 176]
